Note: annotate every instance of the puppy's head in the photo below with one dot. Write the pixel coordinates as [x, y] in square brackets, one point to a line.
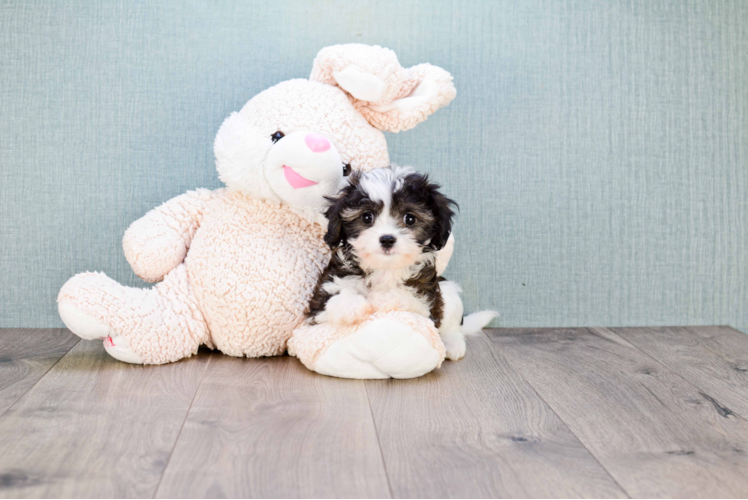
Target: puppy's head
[390, 217]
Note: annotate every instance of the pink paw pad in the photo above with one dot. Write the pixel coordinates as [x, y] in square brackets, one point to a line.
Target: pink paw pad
[108, 341]
[317, 143]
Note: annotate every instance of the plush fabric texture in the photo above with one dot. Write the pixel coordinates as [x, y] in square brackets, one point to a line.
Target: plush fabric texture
[254, 265]
[359, 144]
[309, 342]
[390, 97]
[161, 324]
[235, 267]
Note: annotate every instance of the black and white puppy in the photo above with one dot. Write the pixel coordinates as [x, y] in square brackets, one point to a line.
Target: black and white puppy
[386, 228]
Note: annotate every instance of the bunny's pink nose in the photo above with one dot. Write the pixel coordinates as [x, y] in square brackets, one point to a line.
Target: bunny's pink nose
[317, 143]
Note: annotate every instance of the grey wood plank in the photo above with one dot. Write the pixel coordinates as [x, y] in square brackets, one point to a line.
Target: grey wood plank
[270, 428]
[712, 358]
[656, 434]
[95, 427]
[25, 356]
[475, 428]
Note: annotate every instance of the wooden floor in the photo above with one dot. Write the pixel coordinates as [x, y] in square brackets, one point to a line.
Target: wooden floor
[586, 412]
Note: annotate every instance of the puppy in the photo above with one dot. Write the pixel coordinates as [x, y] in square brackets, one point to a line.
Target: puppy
[386, 227]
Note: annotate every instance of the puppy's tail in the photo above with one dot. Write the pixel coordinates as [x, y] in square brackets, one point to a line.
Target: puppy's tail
[474, 323]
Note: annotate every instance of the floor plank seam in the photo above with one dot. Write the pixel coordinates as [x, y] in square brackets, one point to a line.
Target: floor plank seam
[379, 443]
[519, 373]
[40, 379]
[703, 392]
[179, 434]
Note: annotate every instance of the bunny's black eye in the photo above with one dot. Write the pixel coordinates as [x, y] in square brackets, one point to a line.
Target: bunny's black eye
[409, 219]
[367, 218]
[347, 170]
[277, 136]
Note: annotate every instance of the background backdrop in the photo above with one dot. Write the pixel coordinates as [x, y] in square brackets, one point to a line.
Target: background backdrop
[598, 149]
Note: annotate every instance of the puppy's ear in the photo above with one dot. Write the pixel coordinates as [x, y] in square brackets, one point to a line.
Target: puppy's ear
[335, 232]
[334, 236]
[441, 207]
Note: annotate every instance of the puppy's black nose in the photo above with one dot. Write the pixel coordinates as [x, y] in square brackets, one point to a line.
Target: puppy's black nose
[387, 241]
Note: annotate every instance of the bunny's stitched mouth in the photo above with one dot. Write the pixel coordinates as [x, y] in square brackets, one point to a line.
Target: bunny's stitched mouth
[296, 180]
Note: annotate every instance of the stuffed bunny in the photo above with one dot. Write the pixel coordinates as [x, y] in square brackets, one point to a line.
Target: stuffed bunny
[236, 266]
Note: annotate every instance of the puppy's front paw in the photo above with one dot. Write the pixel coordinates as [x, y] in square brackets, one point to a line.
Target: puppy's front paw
[454, 345]
[347, 308]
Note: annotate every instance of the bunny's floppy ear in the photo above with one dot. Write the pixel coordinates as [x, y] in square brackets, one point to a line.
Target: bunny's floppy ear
[390, 97]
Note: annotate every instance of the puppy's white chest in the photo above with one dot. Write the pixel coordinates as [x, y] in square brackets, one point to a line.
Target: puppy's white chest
[386, 279]
[387, 292]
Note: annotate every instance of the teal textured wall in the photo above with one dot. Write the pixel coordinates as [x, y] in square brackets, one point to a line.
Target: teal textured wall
[599, 149]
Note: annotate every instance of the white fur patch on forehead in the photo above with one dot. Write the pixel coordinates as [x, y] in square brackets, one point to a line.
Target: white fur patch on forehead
[384, 224]
[380, 183]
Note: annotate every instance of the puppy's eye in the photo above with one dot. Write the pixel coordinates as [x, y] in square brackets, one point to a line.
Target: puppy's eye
[347, 170]
[277, 136]
[409, 219]
[367, 218]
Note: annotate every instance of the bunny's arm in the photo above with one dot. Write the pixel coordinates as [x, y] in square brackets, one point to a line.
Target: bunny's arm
[444, 255]
[158, 242]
